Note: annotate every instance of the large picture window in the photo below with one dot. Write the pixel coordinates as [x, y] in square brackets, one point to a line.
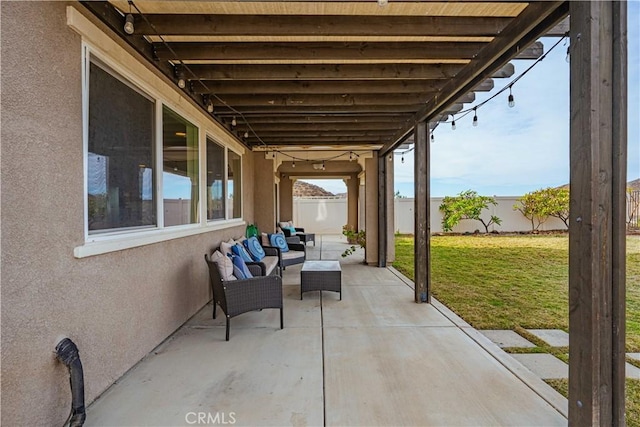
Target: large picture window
[215, 181]
[120, 181]
[180, 169]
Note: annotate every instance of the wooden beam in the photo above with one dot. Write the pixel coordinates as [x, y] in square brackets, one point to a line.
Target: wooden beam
[276, 126]
[263, 72]
[597, 225]
[319, 139]
[327, 118]
[296, 101]
[325, 109]
[534, 21]
[422, 259]
[319, 25]
[327, 51]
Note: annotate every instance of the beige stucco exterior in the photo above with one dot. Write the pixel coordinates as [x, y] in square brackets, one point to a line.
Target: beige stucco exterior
[115, 306]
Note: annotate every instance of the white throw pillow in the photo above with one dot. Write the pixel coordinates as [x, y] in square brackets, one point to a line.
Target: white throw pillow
[264, 239]
[225, 265]
[225, 247]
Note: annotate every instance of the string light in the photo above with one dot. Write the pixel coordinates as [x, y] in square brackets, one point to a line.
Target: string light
[475, 116]
[323, 165]
[383, 3]
[234, 122]
[246, 134]
[293, 164]
[208, 101]
[128, 22]
[512, 102]
[433, 138]
[402, 159]
[179, 71]
[453, 124]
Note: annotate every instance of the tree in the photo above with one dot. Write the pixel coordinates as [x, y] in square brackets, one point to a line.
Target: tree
[397, 195]
[541, 204]
[466, 205]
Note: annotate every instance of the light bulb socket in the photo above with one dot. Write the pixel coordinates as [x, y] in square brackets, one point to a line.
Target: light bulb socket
[179, 72]
[128, 24]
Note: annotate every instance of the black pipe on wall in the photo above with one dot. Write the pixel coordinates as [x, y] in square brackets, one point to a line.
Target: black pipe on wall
[67, 353]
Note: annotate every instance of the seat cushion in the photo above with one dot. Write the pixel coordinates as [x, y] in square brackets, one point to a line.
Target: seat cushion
[292, 255]
[270, 263]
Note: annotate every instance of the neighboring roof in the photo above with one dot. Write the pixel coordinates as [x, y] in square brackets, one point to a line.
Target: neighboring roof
[341, 75]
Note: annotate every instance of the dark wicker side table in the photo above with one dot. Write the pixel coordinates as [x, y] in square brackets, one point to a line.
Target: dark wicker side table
[321, 276]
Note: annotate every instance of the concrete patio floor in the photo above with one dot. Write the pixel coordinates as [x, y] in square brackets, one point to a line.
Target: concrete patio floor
[373, 359]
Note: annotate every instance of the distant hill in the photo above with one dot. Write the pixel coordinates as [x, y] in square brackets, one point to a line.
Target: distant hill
[305, 189]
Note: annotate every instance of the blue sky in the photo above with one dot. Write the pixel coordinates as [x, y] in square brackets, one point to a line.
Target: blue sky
[516, 150]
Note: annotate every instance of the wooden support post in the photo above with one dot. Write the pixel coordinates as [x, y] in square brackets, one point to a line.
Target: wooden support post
[382, 211]
[422, 260]
[597, 227]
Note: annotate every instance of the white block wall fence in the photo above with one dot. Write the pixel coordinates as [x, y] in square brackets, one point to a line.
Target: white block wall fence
[329, 215]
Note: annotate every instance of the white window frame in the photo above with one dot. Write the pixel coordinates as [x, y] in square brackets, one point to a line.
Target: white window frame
[109, 241]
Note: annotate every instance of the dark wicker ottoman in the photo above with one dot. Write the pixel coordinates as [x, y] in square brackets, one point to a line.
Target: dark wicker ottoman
[321, 276]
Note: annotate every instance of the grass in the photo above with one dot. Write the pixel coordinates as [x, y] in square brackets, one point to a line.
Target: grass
[519, 283]
[512, 282]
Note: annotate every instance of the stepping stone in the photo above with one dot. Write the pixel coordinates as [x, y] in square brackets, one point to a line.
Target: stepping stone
[632, 371]
[543, 365]
[506, 338]
[634, 356]
[553, 337]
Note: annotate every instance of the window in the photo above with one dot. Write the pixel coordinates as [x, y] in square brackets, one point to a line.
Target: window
[215, 181]
[234, 184]
[120, 181]
[180, 169]
[146, 170]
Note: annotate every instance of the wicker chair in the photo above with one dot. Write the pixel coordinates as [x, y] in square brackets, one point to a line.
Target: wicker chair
[236, 297]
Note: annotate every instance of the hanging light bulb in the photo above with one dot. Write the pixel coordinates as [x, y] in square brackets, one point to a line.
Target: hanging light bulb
[453, 124]
[234, 122]
[383, 3]
[293, 164]
[568, 57]
[323, 165]
[182, 82]
[433, 138]
[208, 102]
[475, 117]
[402, 159]
[246, 134]
[128, 24]
[512, 102]
[350, 156]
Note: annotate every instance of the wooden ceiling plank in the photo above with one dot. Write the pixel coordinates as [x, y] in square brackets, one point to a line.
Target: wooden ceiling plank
[535, 20]
[330, 100]
[318, 25]
[229, 52]
[325, 87]
[315, 119]
[324, 71]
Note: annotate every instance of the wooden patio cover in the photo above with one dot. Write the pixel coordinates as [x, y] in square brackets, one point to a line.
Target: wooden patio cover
[331, 74]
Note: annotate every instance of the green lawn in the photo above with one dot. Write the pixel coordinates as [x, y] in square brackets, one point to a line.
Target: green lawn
[518, 283]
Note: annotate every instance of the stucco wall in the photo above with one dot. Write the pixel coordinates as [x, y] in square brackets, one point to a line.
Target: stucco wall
[117, 306]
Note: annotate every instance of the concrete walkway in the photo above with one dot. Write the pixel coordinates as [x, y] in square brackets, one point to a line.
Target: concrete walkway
[374, 358]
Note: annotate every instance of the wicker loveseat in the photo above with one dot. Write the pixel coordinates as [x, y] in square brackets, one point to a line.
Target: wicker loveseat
[296, 253]
[240, 296]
